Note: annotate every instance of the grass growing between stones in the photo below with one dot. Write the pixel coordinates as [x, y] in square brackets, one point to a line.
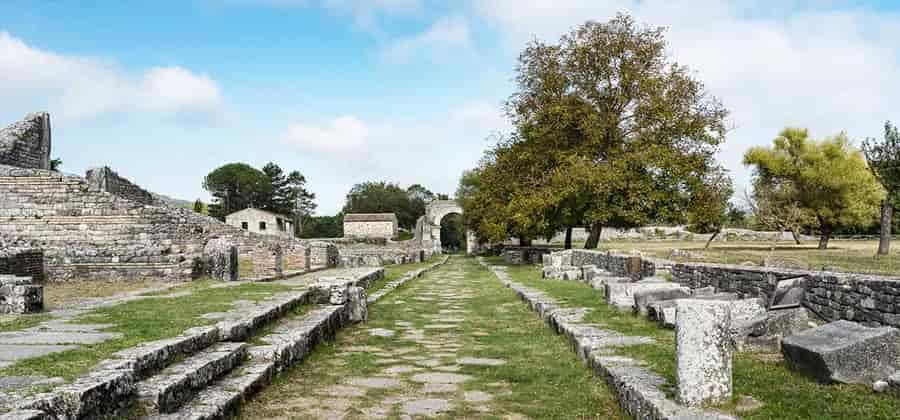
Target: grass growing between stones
[395, 271]
[784, 393]
[417, 342]
[59, 295]
[142, 321]
[21, 322]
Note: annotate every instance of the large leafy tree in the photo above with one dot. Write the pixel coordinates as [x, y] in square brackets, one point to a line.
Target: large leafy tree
[828, 178]
[607, 132]
[709, 211]
[419, 197]
[381, 197]
[236, 186]
[323, 227]
[884, 161]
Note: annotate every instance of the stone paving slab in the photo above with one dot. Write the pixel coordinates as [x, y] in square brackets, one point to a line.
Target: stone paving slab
[55, 337]
[16, 352]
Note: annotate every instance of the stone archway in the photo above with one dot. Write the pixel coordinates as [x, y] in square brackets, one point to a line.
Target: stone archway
[430, 230]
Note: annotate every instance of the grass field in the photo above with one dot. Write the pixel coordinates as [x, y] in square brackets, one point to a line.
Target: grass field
[764, 376]
[841, 255]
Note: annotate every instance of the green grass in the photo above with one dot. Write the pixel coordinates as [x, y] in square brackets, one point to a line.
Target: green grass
[786, 394]
[843, 255]
[542, 379]
[142, 321]
[395, 271]
[21, 322]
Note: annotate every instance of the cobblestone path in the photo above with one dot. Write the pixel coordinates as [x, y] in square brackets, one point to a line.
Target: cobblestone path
[453, 344]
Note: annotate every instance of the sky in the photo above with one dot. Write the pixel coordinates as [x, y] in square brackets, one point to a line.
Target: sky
[406, 91]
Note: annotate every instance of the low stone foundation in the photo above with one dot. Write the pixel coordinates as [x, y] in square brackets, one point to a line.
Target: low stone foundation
[19, 296]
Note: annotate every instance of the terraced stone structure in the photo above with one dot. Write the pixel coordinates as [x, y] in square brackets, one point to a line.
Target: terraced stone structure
[106, 227]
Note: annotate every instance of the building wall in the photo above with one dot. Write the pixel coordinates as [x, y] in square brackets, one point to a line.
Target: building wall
[370, 229]
[253, 220]
[26, 143]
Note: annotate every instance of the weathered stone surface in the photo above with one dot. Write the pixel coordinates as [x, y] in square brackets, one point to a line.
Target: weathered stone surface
[788, 293]
[845, 352]
[703, 351]
[26, 143]
[15, 352]
[643, 298]
[562, 272]
[621, 295]
[174, 385]
[357, 309]
[221, 259]
[765, 332]
[25, 415]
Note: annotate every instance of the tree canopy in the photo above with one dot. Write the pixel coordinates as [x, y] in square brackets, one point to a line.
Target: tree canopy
[884, 161]
[607, 132]
[827, 178]
[385, 197]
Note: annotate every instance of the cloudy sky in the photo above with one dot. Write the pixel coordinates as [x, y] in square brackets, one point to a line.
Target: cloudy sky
[407, 91]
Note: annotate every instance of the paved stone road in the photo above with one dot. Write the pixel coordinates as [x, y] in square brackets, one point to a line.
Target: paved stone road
[430, 349]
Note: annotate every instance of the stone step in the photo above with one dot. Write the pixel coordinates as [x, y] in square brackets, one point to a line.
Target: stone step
[169, 389]
[288, 344]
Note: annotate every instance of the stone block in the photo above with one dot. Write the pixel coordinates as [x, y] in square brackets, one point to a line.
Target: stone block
[561, 258]
[765, 332]
[221, 259]
[357, 308]
[788, 293]
[643, 298]
[703, 352]
[844, 352]
[621, 295]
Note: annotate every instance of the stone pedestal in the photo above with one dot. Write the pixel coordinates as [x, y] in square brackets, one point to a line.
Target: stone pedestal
[221, 259]
[357, 308]
[703, 352]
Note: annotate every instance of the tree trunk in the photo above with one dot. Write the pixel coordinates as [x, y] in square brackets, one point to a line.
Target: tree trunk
[711, 238]
[796, 235]
[523, 241]
[594, 237]
[826, 235]
[884, 241]
[568, 244]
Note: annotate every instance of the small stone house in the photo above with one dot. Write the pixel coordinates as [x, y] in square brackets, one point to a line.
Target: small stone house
[261, 221]
[370, 225]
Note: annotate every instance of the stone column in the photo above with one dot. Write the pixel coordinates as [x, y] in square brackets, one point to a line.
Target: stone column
[471, 243]
[703, 351]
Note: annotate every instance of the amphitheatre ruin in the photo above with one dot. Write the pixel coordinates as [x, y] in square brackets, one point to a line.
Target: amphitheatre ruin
[228, 323]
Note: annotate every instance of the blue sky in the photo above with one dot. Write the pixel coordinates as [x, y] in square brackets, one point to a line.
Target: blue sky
[400, 90]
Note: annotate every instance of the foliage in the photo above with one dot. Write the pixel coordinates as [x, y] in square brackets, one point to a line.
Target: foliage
[884, 160]
[829, 179]
[289, 194]
[199, 207]
[323, 227]
[236, 186]
[55, 164]
[453, 233]
[385, 197]
[607, 132]
[709, 210]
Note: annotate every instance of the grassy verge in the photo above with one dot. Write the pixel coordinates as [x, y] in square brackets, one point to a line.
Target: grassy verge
[58, 295]
[395, 271]
[21, 322]
[541, 379]
[142, 321]
[785, 394]
[844, 255]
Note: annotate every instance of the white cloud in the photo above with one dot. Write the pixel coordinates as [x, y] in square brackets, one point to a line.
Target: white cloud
[78, 87]
[481, 115]
[335, 138]
[826, 70]
[447, 33]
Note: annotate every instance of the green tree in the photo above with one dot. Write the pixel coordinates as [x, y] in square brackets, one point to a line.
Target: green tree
[607, 132]
[236, 186]
[199, 206]
[884, 161]
[829, 178]
[419, 197]
[323, 227]
[381, 197]
[289, 195]
[710, 210]
[55, 164]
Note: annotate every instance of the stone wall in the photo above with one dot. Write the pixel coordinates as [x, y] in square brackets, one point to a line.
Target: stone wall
[323, 254]
[622, 265]
[871, 300]
[18, 295]
[105, 179]
[370, 229]
[26, 143]
[24, 263]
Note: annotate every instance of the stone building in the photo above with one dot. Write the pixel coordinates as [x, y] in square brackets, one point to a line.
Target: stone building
[370, 225]
[261, 221]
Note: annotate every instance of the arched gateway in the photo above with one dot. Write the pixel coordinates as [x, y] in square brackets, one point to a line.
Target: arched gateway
[428, 227]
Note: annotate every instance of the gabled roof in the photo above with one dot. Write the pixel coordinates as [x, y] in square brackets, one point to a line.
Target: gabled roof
[370, 217]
